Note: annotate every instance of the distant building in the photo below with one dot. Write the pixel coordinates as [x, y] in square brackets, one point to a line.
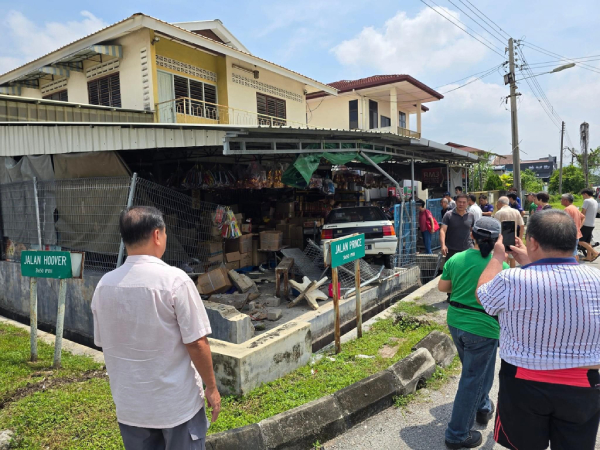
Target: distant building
[543, 167]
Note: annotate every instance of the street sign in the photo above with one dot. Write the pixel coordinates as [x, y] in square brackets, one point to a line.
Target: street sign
[46, 264]
[347, 249]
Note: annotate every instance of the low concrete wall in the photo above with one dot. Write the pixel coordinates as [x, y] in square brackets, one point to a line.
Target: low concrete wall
[228, 324]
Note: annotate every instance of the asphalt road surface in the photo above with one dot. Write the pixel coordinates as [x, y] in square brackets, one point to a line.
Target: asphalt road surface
[421, 425]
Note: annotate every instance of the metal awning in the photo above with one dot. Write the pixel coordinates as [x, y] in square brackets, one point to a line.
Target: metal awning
[63, 67]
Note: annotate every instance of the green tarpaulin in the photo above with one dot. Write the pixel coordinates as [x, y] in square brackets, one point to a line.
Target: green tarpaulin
[300, 173]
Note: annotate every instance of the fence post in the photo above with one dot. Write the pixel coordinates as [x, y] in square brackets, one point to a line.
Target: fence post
[129, 204]
[33, 283]
[60, 321]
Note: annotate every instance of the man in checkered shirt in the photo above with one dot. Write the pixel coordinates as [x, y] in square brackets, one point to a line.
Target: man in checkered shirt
[549, 315]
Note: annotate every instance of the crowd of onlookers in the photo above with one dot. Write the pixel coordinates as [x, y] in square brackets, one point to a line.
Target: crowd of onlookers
[543, 316]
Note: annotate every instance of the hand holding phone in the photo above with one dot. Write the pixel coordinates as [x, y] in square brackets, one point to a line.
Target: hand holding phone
[509, 230]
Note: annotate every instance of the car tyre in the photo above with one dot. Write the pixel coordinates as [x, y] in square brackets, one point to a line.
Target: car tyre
[388, 261]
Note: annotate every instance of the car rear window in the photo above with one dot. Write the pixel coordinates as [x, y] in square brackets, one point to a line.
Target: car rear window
[362, 214]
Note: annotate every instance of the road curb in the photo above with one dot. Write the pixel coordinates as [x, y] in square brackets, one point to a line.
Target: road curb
[328, 417]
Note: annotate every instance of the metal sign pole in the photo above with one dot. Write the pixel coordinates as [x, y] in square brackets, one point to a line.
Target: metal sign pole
[60, 321]
[33, 284]
[336, 310]
[357, 296]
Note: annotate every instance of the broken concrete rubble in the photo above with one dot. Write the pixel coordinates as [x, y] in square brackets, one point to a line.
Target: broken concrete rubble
[274, 314]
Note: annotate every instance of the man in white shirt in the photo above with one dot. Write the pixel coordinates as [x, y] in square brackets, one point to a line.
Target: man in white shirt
[451, 202]
[549, 339]
[152, 326]
[474, 207]
[589, 210]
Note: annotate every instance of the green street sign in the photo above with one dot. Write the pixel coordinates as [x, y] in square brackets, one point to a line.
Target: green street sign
[347, 249]
[46, 264]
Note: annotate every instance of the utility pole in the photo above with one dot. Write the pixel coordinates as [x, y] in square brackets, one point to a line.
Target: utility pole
[513, 118]
[584, 131]
[560, 170]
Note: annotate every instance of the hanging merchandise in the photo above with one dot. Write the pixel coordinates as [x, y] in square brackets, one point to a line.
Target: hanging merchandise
[316, 182]
[328, 186]
[256, 176]
[224, 219]
[193, 179]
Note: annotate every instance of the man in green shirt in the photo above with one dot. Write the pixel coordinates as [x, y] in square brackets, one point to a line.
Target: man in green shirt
[475, 335]
[532, 204]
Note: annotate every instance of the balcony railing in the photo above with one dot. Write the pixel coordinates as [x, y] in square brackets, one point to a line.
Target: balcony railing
[405, 132]
[24, 109]
[188, 110]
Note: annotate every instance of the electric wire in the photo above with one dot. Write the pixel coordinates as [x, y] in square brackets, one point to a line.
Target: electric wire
[556, 55]
[495, 50]
[478, 23]
[483, 14]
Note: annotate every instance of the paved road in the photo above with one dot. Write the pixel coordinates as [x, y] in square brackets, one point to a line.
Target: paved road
[421, 425]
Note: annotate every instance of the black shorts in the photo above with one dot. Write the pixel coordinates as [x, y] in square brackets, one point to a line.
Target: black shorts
[531, 414]
[587, 234]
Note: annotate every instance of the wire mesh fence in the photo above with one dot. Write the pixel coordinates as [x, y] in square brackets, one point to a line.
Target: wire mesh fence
[429, 265]
[405, 224]
[435, 206]
[83, 215]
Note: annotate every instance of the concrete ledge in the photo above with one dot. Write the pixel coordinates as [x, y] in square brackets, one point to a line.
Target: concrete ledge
[300, 427]
[228, 324]
[327, 417]
[367, 397]
[440, 346]
[413, 370]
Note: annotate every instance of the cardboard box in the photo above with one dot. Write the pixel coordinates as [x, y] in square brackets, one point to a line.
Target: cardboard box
[246, 260]
[214, 282]
[258, 258]
[246, 228]
[233, 256]
[211, 248]
[215, 232]
[243, 244]
[213, 261]
[239, 218]
[271, 240]
[235, 265]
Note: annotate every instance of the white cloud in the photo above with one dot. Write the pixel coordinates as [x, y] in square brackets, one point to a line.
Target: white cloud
[411, 45]
[24, 41]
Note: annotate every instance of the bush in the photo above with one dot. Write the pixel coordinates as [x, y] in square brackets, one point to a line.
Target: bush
[493, 183]
[573, 180]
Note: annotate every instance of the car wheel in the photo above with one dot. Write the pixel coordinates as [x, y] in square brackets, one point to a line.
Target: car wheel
[388, 261]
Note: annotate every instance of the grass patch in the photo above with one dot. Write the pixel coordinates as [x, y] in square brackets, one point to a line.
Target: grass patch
[555, 201]
[81, 415]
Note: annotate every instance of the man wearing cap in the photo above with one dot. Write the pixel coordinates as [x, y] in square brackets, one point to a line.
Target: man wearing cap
[475, 335]
[451, 202]
[549, 339]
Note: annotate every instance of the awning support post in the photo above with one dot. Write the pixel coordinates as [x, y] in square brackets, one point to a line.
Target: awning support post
[383, 172]
[412, 178]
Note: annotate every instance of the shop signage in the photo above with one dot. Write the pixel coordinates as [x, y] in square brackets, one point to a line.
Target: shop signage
[435, 175]
[345, 250]
[46, 264]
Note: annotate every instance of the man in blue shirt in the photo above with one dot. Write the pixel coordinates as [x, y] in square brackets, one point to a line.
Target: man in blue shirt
[513, 190]
[486, 208]
[515, 203]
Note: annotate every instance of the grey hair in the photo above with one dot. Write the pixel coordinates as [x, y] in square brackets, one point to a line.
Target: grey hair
[445, 200]
[568, 197]
[503, 200]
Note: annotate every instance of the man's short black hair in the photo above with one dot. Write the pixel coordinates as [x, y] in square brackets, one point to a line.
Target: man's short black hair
[543, 197]
[458, 188]
[138, 223]
[483, 197]
[512, 195]
[462, 196]
[473, 198]
[588, 191]
[420, 203]
[554, 230]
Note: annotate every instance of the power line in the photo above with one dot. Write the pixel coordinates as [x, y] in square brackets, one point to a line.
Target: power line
[477, 22]
[461, 28]
[576, 60]
[556, 55]
[481, 12]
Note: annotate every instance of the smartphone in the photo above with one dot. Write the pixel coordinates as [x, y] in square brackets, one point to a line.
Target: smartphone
[508, 234]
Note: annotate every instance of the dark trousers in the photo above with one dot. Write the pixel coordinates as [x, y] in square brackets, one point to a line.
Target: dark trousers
[531, 414]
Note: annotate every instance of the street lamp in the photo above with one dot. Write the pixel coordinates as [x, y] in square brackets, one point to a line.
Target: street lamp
[555, 70]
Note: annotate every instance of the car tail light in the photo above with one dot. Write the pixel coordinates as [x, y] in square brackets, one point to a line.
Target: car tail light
[388, 230]
[327, 234]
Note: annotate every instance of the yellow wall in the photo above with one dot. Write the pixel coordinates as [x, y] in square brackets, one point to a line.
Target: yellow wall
[189, 55]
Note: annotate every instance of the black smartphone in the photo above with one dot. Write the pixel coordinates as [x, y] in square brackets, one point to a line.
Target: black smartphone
[508, 234]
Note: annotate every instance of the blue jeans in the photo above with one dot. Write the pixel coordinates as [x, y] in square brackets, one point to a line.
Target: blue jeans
[478, 357]
[427, 241]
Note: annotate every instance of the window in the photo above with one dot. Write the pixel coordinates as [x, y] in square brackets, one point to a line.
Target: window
[373, 115]
[191, 96]
[105, 91]
[402, 120]
[268, 108]
[385, 122]
[60, 96]
[353, 114]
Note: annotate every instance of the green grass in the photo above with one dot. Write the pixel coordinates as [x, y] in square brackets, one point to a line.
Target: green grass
[81, 415]
[555, 201]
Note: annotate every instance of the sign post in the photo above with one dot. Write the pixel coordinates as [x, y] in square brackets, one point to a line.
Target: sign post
[342, 251]
[57, 265]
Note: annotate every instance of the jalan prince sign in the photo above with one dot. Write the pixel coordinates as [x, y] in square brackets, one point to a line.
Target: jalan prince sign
[347, 249]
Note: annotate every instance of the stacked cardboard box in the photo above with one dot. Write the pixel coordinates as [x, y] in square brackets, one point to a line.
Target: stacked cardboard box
[292, 234]
[214, 282]
[240, 250]
[211, 253]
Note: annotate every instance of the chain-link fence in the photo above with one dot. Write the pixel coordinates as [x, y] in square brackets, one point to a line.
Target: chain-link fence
[435, 206]
[405, 224]
[83, 215]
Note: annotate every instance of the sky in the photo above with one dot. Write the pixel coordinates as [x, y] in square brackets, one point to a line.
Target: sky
[330, 40]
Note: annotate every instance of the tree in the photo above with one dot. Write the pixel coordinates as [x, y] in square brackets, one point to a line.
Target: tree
[507, 180]
[493, 183]
[573, 180]
[530, 182]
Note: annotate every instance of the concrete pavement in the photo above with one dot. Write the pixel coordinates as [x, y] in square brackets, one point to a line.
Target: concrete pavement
[421, 425]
